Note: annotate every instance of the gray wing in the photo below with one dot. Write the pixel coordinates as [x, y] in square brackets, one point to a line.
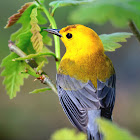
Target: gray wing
[78, 98]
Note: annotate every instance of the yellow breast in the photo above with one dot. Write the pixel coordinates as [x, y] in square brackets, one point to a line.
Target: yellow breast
[90, 67]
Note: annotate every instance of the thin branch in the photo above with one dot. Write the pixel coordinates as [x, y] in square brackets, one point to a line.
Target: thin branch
[31, 62]
[19, 52]
[134, 29]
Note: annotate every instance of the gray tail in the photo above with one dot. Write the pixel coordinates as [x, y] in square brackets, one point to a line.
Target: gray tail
[92, 128]
[97, 136]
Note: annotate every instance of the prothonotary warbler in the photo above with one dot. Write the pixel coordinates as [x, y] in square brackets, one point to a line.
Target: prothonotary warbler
[85, 79]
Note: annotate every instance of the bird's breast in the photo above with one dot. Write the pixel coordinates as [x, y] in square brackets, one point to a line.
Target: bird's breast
[87, 68]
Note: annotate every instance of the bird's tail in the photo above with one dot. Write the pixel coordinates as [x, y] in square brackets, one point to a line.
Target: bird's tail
[92, 129]
[97, 136]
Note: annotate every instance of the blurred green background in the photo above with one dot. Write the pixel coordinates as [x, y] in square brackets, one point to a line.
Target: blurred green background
[36, 117]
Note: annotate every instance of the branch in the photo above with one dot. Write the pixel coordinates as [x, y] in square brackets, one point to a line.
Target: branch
[134, 29]
[31, 62]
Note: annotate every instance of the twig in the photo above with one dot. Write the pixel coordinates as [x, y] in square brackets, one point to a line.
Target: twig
[134, 29]
[19, 52]
[31, 62]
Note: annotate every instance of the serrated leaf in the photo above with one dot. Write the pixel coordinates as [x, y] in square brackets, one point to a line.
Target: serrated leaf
[14, 18]
[110, 41]
[13, 78]
[118, 12]
[113, 132]
[12, 73]
[62, 3]
[36, 38]
[65, 134]
[40, 90]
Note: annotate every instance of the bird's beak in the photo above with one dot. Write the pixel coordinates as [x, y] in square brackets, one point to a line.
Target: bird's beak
[54, 31]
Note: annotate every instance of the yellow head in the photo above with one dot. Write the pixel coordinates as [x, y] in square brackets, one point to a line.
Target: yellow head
[84, 58]
[79, 40]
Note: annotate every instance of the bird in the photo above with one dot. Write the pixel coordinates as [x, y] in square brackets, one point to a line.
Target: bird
[86, 79]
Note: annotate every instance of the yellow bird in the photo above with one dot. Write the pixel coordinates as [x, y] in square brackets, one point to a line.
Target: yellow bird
[85, 79]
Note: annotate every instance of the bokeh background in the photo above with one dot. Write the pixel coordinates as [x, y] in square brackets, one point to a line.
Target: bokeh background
[36, 117]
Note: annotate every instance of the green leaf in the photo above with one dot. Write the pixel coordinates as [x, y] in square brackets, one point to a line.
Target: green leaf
[12, 73]
[68, 134]
[13, 78]
[40, 90]
[118, 12]
[110, 40]
[36, 38]
[42, 1]
[24, 43]
[113, 132]
[62, 3]
[46, 39]
[41, 19]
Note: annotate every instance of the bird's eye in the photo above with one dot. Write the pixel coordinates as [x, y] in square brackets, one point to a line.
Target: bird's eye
[69, 35]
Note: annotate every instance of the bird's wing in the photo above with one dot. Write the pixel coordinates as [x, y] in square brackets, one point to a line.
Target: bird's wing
[78, 98]
[106, 95]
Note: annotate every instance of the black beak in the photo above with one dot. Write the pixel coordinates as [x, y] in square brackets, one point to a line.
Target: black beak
[54, 31]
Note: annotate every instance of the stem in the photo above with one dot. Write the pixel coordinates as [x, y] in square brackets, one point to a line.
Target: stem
[56, 39]
[134, 29]
[30, 56]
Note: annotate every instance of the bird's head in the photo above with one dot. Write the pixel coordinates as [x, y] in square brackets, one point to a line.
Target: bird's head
[78, 39]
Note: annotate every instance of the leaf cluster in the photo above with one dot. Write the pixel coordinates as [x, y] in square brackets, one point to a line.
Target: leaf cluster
[29, 39]
[110, 132]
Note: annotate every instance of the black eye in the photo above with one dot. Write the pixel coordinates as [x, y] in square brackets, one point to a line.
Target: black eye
[69, 35]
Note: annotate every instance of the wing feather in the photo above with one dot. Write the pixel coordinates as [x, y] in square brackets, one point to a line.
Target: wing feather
[78, 98]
